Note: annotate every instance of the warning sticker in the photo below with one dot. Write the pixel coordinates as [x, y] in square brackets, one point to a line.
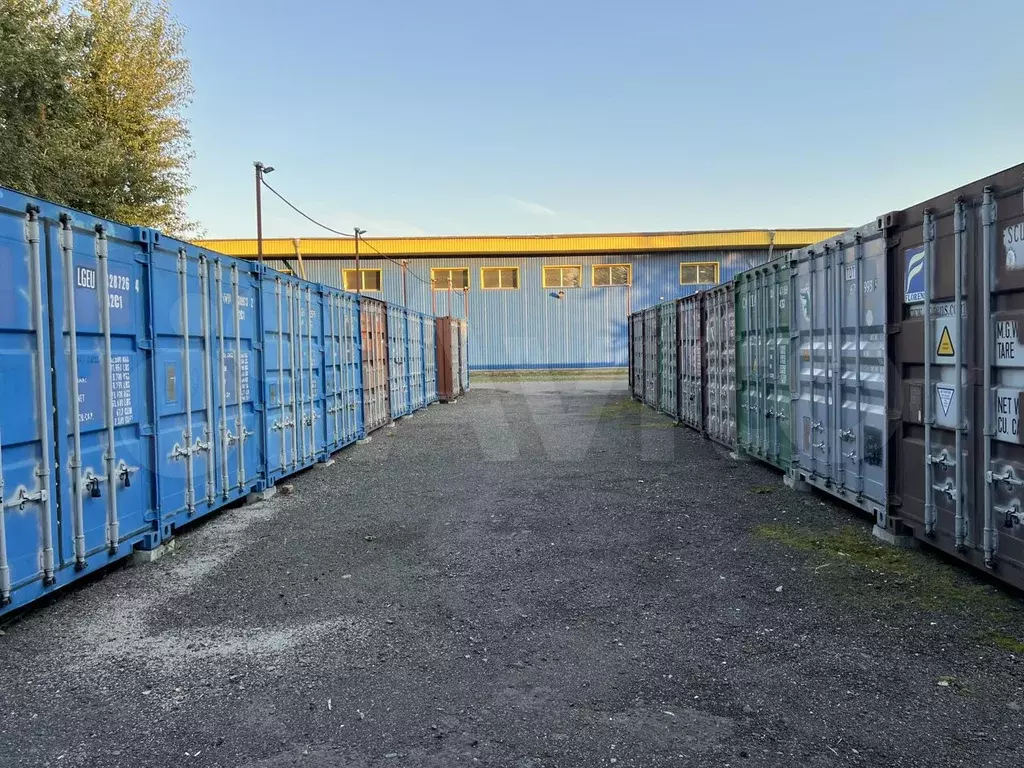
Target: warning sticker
[945, 398]
[945, 348]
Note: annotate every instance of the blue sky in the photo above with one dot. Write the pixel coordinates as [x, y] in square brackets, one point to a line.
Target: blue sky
[521, 116]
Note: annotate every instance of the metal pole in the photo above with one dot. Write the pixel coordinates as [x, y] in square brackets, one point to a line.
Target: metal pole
[102, 277]
[240, 423]
[225, 433]
[988, 214]
[208, 429]
[42, 376]
[75, 463]
[929, 419]
[405, 283]
[283, 419]
[259, 211]
[186, 357]
[959, 232]
[5, 570]
[359, 276]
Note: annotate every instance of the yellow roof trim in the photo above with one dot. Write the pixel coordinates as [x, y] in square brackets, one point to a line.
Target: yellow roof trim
[512, 245]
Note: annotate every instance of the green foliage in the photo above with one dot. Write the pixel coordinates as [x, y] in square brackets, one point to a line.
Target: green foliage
[92, 96]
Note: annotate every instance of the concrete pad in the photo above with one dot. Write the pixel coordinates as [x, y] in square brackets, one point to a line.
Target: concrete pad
[796, 484]
[326, 463]
[893, 539]
[264, 495]
[364, 441]
[144, 556]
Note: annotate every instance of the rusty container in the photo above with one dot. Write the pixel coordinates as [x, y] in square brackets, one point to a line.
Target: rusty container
[691, 362]
[718, 315]
[373, 322]
[448, 335]
[956, 459]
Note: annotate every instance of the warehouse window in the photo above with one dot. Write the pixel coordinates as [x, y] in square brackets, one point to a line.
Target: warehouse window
[440, 276]
[698, 273]
[497, 278]
[563, 276]
[371, 279]
[613, 274]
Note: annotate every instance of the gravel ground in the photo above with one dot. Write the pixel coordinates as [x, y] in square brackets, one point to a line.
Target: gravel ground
[543, 574]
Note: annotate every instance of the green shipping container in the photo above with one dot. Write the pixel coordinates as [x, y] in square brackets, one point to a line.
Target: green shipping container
[763, 311]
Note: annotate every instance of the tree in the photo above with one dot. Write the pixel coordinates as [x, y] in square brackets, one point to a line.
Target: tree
[41, 51]
[134, 87]
[92, 100]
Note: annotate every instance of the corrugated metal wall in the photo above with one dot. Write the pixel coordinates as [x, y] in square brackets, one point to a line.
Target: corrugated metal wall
[531, 327]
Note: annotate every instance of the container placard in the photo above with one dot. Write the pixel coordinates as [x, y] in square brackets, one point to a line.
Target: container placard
[1007, 414]
[90, 391]
[1006, 341]
[1013, 240]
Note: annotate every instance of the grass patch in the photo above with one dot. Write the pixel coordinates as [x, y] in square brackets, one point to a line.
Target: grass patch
[1006, 642]
[638, 414]
[761, 490]
[882, 577]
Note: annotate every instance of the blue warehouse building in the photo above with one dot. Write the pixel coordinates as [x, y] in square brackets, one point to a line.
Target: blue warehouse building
[558, 301]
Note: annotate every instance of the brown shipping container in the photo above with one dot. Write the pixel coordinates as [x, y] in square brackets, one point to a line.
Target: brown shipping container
[373, 322]
[956, 458]
[449, 358]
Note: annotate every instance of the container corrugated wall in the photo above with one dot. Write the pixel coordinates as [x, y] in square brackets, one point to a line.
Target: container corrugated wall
[398, 363]
[430, 358]
[636, 355]
[651, 336]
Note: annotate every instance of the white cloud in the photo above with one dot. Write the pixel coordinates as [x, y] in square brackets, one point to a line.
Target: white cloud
[535, 208]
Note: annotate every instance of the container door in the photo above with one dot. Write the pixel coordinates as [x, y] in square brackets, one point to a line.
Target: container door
[416, 373]
[29, 548]
[398, 348]
[690, 358]
[668, 357]
[311, 355]
[720, 359]
[343, 380]
[430, 358]
[374, 324]
[280, 392]
[105, 443]
[651, 371]
[816, 408]
[241, 454]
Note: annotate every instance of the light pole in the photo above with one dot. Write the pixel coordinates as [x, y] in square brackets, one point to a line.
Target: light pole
[261, 170]
[359, 276]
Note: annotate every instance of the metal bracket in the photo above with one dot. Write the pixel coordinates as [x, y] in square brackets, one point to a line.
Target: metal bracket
[946, 488]
[124, 473]
[23, 496]
[1007, 477]
[847, 434]
[852, 455]
[820, 446]
[942, 459]
[1012, 515]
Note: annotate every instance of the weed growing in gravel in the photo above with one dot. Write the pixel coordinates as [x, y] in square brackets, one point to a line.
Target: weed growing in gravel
[628, 407]
[902, 579]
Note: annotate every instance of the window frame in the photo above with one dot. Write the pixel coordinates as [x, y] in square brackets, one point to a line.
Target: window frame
[499, 287]
[362, 271]
[434, 287]
[593, 275]
[698, 265]
[546, 267]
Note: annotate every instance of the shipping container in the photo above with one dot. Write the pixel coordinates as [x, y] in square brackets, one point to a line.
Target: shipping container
[691, 362]
[651, 373]
[668, 356]
[763, 311]
[719, 370]
[398, 363]
[636, 355]
[956, 472]
[839, 397]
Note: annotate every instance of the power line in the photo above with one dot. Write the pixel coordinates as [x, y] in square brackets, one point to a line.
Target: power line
[299, 211]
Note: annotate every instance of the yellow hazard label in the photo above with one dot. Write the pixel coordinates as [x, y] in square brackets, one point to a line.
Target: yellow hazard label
[945, 348]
